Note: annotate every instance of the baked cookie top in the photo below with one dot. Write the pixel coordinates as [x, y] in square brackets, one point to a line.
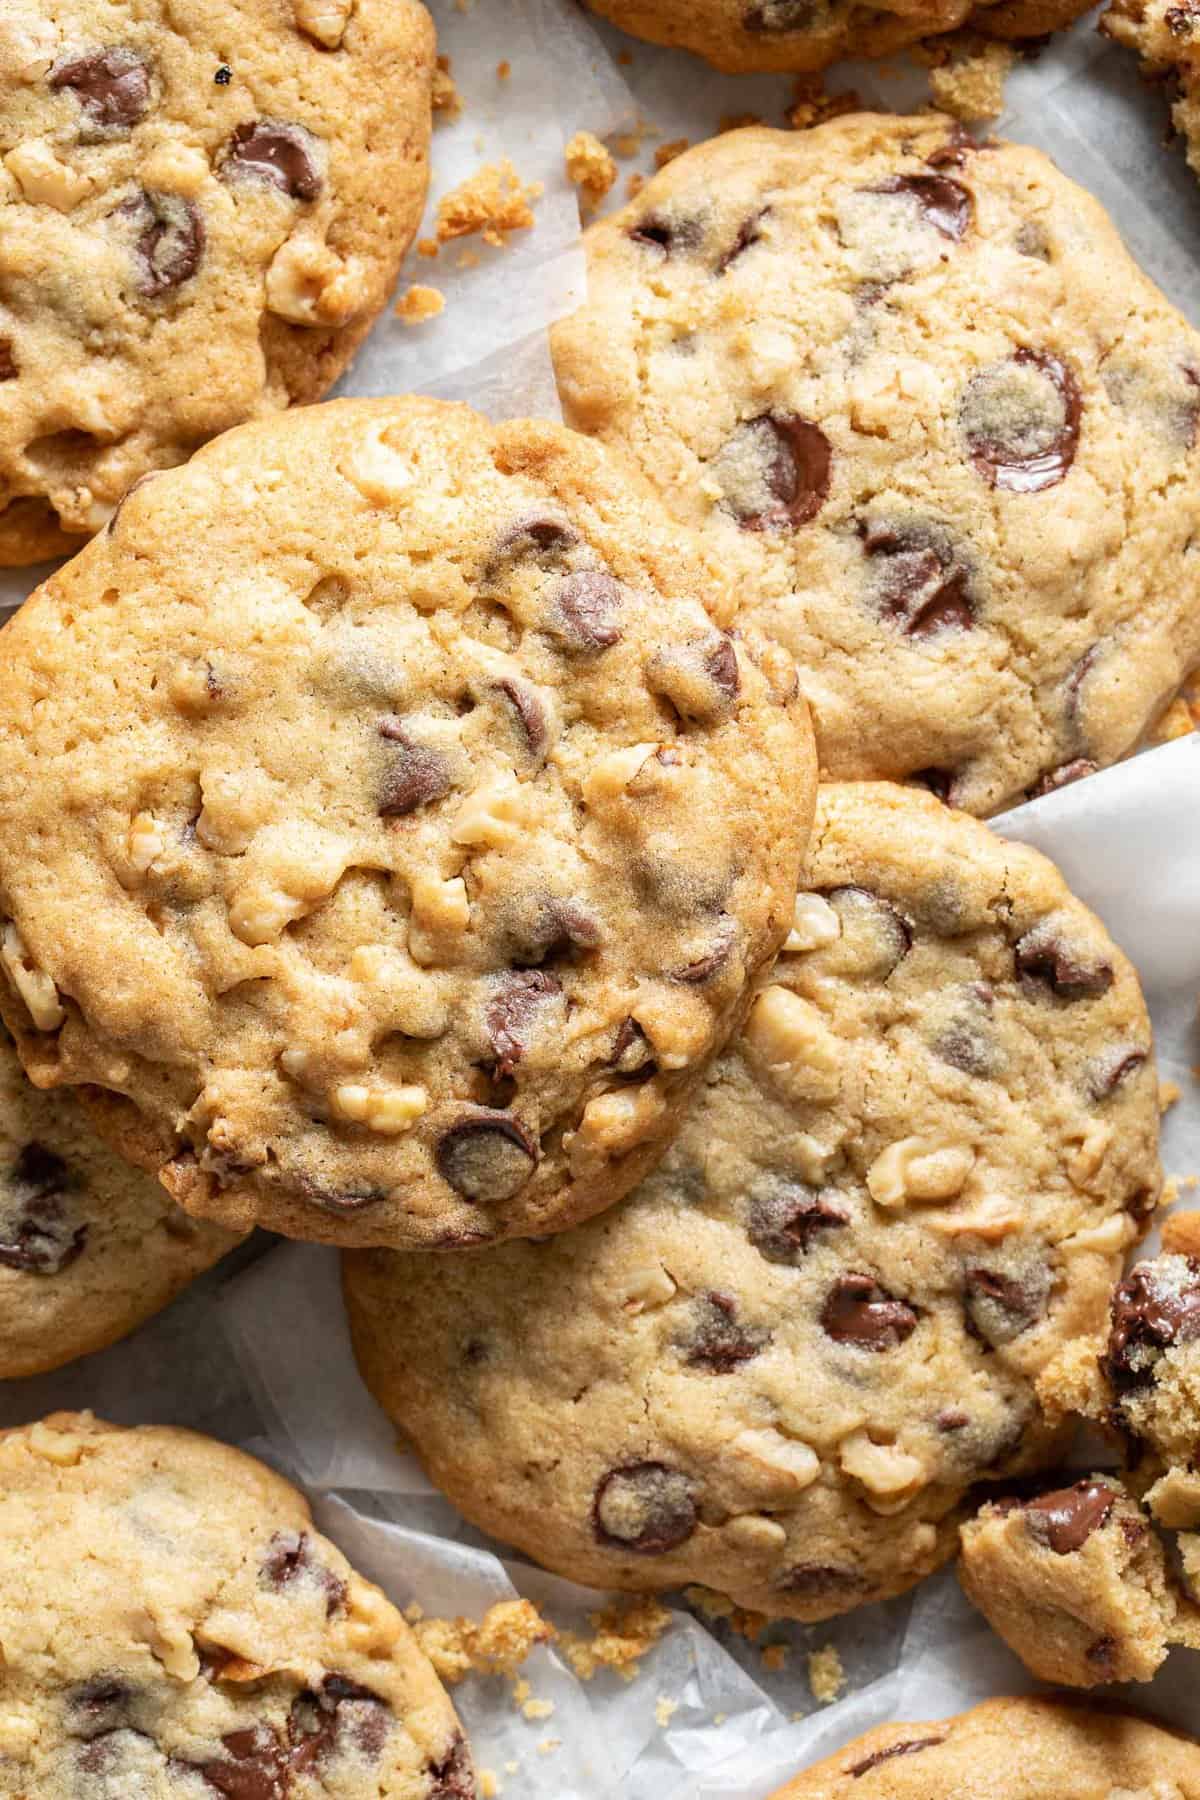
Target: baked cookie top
[1011, 1750]
[778, 1367]
[914, 394]
[174, 1626]
[741, 36]
[202, 208]
[89, 1247]
[408, 835]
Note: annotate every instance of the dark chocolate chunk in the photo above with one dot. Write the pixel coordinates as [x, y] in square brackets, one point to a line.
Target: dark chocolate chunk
[112, 87]
[584, 611]
[1064, 1520]
[1106, 1074]
[486, 1156]
[859, 1311]
[170, 240]
[784, 1218]
[644, 1506]
[667, 235]
[714, 1340]
[39, 1232]
[793, 459]
[254, 1767]
[916, 582]
[528, 711]
[1044, 956]
[1152, 1310]
[514, 1012]
[946, 203]
[273, 151]
[452, 1775]
[1000, 1307]
[1018, 440]
[415, 774]
[748, 233]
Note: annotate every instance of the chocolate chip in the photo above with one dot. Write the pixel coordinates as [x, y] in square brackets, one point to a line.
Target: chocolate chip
[39, 1234]
[223, 76]
[748, 233]
[644, 1506]
[785, 1218]
[946, 203]
[549, 925]
[631, 1049]
[1061, 777]
[486, 1156]
[700, 680]
[321, 1722]
[1106, 1074]
[528, 712]
[967, 1041]
[290, 1559]
[876, 931]
[952, 1419]
[254, 1766]
[819, 1581]
[415, 775]
[535, 537]
[917, 584]
[112, 87]
[584, 611]
[711, 961]
[99, 1706]
[1102, 1655]
[776, 472]
[858, 1311]
[1044, 956]
[170, 240]
[1152, 1310]
[908, 1748]
[1021, 421]
[713, 1338]
[954, 152]
[667, 235]
[342, 1201]
[1000, 1307]
[8, 362]
[515, 1011]
[273, 151]
[1064, 1520]
[452, 1776]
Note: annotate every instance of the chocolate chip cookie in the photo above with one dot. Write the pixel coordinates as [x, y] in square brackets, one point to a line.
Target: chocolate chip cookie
[202, 209]
[89, 1248]
[389, 829]
[1021, 1749]
[777, 1368]
[742, 36]
[1077, 1583]
[1166, 36]
[914, 394]
[173, 1625]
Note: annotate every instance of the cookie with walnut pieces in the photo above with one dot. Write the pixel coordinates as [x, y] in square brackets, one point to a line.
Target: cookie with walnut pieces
[779, 1367]
[1037, 1749]
[173, 1625]
[89, 1248]
[1166, 36]
[915, 394]
[202, 210]
[387, 828]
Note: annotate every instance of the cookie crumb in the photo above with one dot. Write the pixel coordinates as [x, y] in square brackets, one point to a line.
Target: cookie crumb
[497, 1644]
[775, 1657]
[967, 74]
[549, 1744]
[1168, 1094]
[812, 105]
[447, 101]
[1178, 721]
[489, 1787]
[621, 1637]
[634, 185]
[826, 1676]
[427, 247]
[736, 121]
[590, 165]
[503, 70]
[491, 202]
[417, 303]
[664, 1711]
[668, 152]
[708, 1602]
[1181, 1234]
[625, 58]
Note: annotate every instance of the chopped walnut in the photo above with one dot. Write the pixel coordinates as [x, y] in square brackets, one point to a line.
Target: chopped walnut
[417, 304]
[32, 984]
[324, 21]
[590, 165]
[388, 1110]
[43, 179]
[491, 202]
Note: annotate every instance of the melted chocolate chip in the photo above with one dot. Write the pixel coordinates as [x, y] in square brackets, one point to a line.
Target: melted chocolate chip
[785, 457]
[748, 233]
[551, 926]
[290, 1559]
[1064, 1520]
[585, 611]
[666, 236]
[1044, 956]
[1023, 435]
[1062, 776]
[946, 203]
[700, 680]
[486, 1156]
[453, 1777]
[1151, 1311]
[99, 1706]
[711, 961]
[38, 1232]
[645, 1506]
[275, 152]
[999, 1307]
[535, 537]
[783, 1221]
[528, 712]
[874, 926]
[8, 362]
[112, 87]
[909, 1748]
[416, 775]
[342, 1713]
[816, 1581]
[254, 1766]
[917, 584]
[858, 1311]
[954, 152]
[337, 1200]
[513, 1014]
[170, 240]
[1106, 1074]
[713, 1338]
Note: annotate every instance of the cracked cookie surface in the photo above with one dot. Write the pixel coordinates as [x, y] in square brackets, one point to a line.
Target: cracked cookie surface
[779, 1366]
[922, 405]
[202, 209]
[89, 1248]
[174, 1628]
[408, 834]
[1065, 1753]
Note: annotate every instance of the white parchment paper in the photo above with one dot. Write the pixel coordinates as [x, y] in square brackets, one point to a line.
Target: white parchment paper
[257, 1351]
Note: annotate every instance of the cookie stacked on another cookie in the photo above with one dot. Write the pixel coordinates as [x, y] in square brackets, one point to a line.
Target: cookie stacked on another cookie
[202, 210]
[913, 391]
[174, 1626]
[779, 1367]
[387, 827]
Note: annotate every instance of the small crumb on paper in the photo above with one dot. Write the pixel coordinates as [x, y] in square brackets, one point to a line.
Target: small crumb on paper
[1181, 1234]
[635, 184]
[497, 1644]
[417, 303]
[1168, 1094]
[775, 1657]
[503, 70]
[967, 74]
[664, 1711]
[590, 165]
[812, 105]
[668, 152]
[826, 1676]
[489, 1787]
[447, 101]
[492, 202]
[708, 1602]
[621, 1637]
[531, 1708]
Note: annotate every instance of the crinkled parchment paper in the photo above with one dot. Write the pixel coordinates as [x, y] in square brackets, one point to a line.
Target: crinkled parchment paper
[257, 1352]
